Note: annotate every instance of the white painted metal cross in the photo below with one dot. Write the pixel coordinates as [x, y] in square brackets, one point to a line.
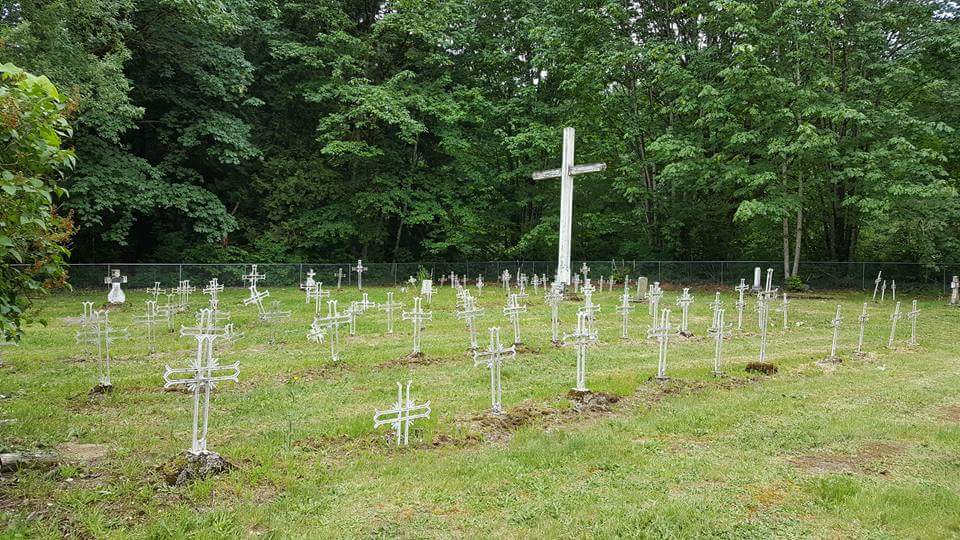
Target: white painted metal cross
[554, 297]
[835, 324]
[214, 288]
[505, 280]
[156, 291]
[253, 277]
[149, 319]
[876, 285]
[566, 172]
[684, 302]
[784, 305]
[589, 307]
[202, 375]
[493, 358]
[718, 330]
[655, 294]
[98, 331]
[339, 275]
[359, 269]
[912, 315]
[741, 288]
[863, 318]
[479, 285]
[513, 310]
[955, 291]
[883, 291]
[329, 328]
[893, 324]
[469, 313]
[581, 338]
[661, 330]
[417, 316]
[389, 307]
[624, 310]
[401, 415]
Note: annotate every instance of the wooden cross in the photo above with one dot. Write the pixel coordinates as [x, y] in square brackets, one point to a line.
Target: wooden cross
[566, 172]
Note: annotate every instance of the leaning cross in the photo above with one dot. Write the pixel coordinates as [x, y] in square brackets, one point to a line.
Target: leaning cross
[863, 322]
[876, 285]
[893, 324]
[329, 327]
[401, 415]
[566, 172]
[835, 323]
[493, 357]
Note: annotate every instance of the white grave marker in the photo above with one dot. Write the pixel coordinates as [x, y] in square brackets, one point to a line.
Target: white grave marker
[493, 358]
[403, 413]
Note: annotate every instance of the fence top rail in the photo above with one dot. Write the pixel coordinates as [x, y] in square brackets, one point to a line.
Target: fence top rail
[619, 261]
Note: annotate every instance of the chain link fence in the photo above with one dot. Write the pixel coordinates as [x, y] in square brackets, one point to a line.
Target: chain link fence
[818, 275]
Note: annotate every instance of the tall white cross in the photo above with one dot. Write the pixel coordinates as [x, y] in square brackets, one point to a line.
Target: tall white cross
[718, 331]
[98, 331]
[581, 338]
[784, 305]
[479, 285]
[661, 331]
[389, 307]
[401, 415]
[156, 291]
[202, 375]
[741, 288]
[566, 172]
[339, 275]
[513, 310]
[863, 318]
[655, 294]
[883, 291]
[893, 324]
[876, 285]
[493, 357]
[359, 269]
[684, 302]
[417, 316]
[835, 323]
[214, 288]
[624, 310]
[912, 315]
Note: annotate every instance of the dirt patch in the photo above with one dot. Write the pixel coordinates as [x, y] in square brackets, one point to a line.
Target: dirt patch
[83, 453]
[418, 359]
[325, 372]
[100, 390]
[521, 349]
[864, 460]
[185, 468]
[761, 367]
[951, 412]
[587, 401]
[107, 306]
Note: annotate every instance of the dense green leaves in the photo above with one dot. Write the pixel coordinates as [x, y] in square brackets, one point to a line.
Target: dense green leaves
[33, 125]
[406, 129]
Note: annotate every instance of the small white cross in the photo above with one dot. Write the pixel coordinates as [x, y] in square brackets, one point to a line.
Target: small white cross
[417, 316]
[661, 331]
[401, 415]
[359, 269]
[493, 358]
[581, 338]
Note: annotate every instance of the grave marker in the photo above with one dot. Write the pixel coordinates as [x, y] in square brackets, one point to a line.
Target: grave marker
[581, 338]
[893, 324]
[661, 331]
[913, 315]
[417, 316]
[863, 318]
[684, 302]
[718, 330]
[114, 280]
[389, 307]
[403, 413]
[493, 358]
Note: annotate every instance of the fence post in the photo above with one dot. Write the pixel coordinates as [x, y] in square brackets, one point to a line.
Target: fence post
[721, 273]
[180, 272]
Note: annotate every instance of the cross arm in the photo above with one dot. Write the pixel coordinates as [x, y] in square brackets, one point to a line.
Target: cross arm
[575, 170]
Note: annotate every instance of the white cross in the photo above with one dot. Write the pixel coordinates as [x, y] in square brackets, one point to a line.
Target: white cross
[536, 282]
[763, 311]
[168, 310]
[784, 304]
[115, 295]
[955, 290]
[585, 270]
[493, 357]
[661, 331]
[149, 319]
[741, 288]
[553, 297]
[426, 290]
[684, 302]
[184, 290]
[156, 291]
[353, 311]
[329, 328]
[566, 172]
[365, 303]
[339, 275]
[513, 310]
[479, 285]
[912, 315]
[417, 316]
[835, 323]
[214, 288]
[893, 290]
[401, 415]
[388, 307]
[883, 291]
[581, 338]
[718, 331]
[505, 280]
[310, 275]
[469, 313]
[316, 293]
[624, 310]
[253, 276]
[359, 269]
[589, 307]
[876, 285]
[97, 330]
[863, 318]
[655, 294]
[202, 375]
[893, 324]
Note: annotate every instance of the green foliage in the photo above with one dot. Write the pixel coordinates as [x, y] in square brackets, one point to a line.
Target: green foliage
[408, 129]
[33, 124]
[794, 284]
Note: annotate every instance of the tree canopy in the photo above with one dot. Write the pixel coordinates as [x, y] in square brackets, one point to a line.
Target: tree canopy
[401, 130]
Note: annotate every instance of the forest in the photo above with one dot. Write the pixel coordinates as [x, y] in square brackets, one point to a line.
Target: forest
[331, 130]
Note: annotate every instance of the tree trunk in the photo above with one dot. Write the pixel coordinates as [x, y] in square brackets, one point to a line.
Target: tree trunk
[786, 247]
[799, 237]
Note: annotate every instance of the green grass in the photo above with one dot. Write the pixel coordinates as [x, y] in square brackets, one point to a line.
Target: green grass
[871, 448]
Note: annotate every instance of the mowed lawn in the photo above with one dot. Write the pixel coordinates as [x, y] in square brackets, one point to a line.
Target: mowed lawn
[870, 447]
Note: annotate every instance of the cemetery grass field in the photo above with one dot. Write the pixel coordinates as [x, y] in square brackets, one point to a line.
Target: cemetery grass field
[866, 448]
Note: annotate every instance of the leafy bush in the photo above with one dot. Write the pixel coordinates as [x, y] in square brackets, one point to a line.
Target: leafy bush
[794, 284]
[33, 122]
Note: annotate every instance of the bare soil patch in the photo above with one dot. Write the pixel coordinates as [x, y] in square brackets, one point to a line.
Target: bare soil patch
[951, 412]
[864, 460]
[765, 368]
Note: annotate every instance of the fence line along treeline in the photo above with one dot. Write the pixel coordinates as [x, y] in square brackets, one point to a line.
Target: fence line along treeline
[818, 275]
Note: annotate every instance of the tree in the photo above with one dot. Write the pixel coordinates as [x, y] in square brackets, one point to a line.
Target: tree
[33, 123]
